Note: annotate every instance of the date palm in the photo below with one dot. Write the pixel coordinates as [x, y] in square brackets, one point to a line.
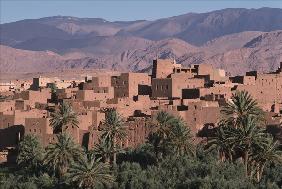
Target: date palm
[53, 88]
[90, 173]
[163, 124]
[104, 150]
[61, 154]
[223, 141]
[241, 105]
[267, 152]
[63, 117]
[158, 138]
[113, 129]
[248, 135]
[181, 138]
[30, 153]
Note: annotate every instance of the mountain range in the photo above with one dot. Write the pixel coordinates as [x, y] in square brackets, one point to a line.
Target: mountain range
[237, 40]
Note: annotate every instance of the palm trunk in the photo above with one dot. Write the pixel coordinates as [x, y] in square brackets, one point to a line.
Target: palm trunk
[246, 159]
[114, 154]
[61, 172]
[230, 156]
[107, 160]
[258, 172]
[261, 171]
[221, 156]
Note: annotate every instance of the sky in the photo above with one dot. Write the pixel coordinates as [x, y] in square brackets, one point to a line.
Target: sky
[117, 10]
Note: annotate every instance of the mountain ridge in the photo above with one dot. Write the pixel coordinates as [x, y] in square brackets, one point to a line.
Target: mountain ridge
[237, 40]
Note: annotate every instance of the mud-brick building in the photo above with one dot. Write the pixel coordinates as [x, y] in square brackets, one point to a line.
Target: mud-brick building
[98, 81]
[196, 113]
[40, 96]
[130, 84]
[172, 87]
[266, 88]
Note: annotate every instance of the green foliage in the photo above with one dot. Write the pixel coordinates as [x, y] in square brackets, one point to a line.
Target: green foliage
[241, 105]
[182, 172]
[170, 135]
[272, 176]
[31, 154]
[60, 155]
[241, 134]
[90, 173]
[63, 118]
[113, 130]
[19, 182]
[143, 155]
[53, 87]
[239, 156]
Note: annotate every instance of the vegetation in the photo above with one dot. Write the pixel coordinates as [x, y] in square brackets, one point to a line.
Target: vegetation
[63, 118]
[53, 88]
[240, 155]
[90, 173]
[113, 130]
[170, 135]
[242, 135]
[60, 155]
[31, 154]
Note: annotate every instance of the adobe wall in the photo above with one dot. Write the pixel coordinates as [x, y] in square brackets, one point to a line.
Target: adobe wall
[39, 127]
[126, 85]
[162, 87]
[162, 68]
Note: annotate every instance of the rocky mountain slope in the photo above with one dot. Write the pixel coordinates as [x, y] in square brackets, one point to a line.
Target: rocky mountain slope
[262, 52]
[237, 40]
[17, 60]
[194, 28]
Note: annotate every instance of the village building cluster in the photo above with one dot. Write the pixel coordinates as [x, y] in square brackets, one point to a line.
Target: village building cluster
[194, 93]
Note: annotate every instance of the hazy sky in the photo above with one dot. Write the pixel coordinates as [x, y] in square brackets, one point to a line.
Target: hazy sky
[13, 10]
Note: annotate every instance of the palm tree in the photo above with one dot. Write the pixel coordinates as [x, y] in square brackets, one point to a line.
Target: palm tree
[104, 150]
[268, 152]
[53, 88]
[241, 105]
[89, 173]
[61, 154]
[30, 153]
[63, 117]
[162, 125]
[238, 141]
[164, 122]
[113, 129]
[181, 138]
[248, 135]
[223, 141]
